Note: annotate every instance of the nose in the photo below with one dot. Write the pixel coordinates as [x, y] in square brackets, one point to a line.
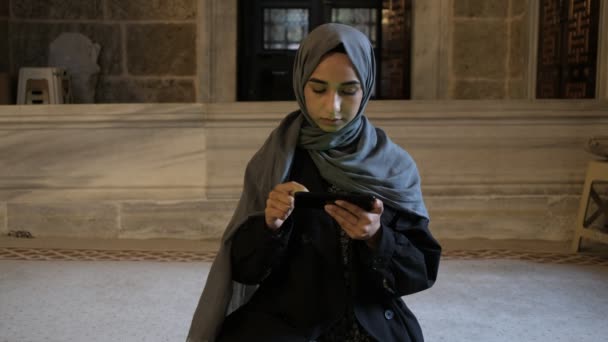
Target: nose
[336, 102]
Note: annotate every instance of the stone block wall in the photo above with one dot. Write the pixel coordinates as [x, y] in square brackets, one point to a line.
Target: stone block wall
[184, 50]
[488, 49]
[148, 47]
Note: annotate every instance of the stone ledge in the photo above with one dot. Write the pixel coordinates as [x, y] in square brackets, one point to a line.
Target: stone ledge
[271, 113]
[95, 220]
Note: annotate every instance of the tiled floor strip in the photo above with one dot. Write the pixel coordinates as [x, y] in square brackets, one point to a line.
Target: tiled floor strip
[42, 254]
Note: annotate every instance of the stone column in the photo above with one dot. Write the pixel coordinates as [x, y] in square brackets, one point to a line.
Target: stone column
[430, 41]
[217, 49]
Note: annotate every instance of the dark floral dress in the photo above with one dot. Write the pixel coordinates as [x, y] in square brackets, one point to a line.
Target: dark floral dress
[348, 328]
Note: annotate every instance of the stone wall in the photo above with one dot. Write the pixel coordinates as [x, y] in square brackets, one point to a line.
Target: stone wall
[148, 47]
[488, 49]
[182, 50]
[489, 169]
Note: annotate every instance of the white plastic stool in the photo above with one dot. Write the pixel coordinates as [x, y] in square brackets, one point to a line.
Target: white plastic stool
[43, 86]
[597, 173]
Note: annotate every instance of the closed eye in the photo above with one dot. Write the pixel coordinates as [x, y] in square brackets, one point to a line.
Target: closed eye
[351, 90]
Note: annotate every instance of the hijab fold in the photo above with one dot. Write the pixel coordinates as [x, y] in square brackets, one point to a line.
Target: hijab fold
[358, 158]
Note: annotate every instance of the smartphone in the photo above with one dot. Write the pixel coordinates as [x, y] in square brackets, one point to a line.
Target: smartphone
[318, 200]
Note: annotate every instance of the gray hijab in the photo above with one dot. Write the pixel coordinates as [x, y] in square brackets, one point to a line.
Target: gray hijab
[375, 165]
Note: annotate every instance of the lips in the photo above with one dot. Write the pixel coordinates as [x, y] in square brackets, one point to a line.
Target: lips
[331, 121]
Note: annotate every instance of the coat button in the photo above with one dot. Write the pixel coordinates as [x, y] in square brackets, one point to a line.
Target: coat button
[389, 314]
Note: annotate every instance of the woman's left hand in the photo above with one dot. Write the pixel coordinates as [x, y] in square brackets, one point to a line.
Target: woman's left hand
[356, 222]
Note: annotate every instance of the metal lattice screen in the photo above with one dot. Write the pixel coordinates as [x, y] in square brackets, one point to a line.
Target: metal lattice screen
[568, 43]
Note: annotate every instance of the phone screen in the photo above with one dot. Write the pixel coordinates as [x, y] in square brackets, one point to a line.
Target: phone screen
[318, 200]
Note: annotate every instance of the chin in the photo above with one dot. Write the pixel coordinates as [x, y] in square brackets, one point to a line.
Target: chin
[330, 129]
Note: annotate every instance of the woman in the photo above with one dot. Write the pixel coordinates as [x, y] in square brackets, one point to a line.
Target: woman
[338, 274]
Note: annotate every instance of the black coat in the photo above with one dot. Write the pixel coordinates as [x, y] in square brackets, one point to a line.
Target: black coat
[302, 277]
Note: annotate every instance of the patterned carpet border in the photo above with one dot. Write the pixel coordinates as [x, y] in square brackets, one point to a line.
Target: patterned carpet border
[41, 254]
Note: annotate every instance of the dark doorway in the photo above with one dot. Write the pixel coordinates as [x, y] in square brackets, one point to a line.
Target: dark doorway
[270, 32]
[567, 49]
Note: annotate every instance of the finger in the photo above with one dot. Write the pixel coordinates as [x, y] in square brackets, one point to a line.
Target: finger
[278, 209]
[278, 205]
[277, 214]
[350, 229]
[291, 187]
[341, 215]
[295, 187]
[353, 208]
[378, 207]
[281, 197]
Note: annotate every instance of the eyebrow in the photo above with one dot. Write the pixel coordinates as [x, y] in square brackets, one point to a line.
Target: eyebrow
[316, 80]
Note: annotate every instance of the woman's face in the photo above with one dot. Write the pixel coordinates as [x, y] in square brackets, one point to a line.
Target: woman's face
[333, 92]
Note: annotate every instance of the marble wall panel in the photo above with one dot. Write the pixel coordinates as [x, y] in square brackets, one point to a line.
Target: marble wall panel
[161, 49]
[72, 220]
[230, 149]
[486, 154]
[145, 91]
[526, 218]
[152, 9]
[190, 220]
[3, 227]
[113, 160]
[497, 169]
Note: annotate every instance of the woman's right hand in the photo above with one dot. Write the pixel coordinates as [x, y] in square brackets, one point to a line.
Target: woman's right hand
[280, 203]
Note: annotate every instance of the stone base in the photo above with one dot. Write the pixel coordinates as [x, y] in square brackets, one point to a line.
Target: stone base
[490, 169]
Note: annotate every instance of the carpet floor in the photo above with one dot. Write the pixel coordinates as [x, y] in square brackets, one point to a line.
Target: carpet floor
[479, 296]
